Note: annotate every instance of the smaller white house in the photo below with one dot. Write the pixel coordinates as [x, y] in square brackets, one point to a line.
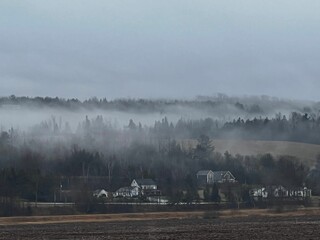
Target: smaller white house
[127, 192]
[100, 193]
[264, 193]
[300, 193]
[259, 193]
[280, 192]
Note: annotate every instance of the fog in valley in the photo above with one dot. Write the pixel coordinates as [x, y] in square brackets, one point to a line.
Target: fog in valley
[25, 114]
[95, 94]
[102, 125]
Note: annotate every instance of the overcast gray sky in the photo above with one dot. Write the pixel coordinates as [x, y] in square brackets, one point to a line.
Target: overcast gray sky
[167, 48]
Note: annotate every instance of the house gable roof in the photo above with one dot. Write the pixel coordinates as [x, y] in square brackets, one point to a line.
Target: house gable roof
[98, 191]
[219, 175]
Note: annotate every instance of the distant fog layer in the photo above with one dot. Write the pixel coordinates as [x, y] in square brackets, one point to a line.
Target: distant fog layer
[23, 113]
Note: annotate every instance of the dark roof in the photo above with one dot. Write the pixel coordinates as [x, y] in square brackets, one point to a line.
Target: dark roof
[146, 181]
[203, 172]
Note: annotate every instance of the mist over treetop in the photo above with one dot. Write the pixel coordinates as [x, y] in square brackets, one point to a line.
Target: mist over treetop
[25, 112]
[246, 104]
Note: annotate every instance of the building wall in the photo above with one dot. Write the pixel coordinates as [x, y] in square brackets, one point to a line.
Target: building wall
[149, 187]
[210, 178]
[202, 179]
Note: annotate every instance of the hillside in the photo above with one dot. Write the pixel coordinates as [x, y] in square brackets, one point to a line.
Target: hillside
[304, 151]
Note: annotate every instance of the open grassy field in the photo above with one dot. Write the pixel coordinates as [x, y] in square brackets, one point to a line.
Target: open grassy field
[304, 151]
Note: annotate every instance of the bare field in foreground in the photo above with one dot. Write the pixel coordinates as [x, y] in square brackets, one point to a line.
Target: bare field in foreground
[304, 151]
[252, 224]
[121, 217]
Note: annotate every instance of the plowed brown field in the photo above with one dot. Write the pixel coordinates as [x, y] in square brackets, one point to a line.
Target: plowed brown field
[298, 225]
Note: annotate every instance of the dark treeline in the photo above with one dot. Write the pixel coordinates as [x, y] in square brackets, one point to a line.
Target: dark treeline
[145, 105]
[298, 127]
[248, 105]
[34, 175]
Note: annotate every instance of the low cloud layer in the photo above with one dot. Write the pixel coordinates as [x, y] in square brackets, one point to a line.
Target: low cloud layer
[159, 49]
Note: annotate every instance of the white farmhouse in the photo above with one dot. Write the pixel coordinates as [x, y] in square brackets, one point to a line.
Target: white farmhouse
[144, 184]
[128, 192]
